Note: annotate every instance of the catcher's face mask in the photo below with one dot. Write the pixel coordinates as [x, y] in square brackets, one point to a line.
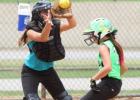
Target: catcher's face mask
[38, 7]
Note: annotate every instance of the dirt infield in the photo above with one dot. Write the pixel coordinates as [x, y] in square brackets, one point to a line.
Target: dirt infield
[128, 98]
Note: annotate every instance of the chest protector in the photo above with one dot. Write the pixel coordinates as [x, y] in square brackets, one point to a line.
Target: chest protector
[51, 50]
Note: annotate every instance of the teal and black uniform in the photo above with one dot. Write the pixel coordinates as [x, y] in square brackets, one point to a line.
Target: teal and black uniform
[39, 63]
[37, 71]
[110, 85]
[34, 63]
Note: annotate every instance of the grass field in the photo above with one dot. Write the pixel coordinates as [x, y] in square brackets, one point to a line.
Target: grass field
[67, 74]
[16, 63]
[65, 68]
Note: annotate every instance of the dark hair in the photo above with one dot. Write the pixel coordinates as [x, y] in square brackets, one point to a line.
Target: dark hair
[23, 39]
[37, 8]
[117, 46]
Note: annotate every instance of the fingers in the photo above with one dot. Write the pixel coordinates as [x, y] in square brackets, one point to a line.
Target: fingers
[48, 18]
[46, 15]
[49, 15]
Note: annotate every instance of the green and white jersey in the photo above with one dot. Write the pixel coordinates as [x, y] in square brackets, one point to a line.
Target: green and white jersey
[114, 57]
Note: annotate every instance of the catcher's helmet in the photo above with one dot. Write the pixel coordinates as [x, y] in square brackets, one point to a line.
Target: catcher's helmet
[38, 7]
[99, 28]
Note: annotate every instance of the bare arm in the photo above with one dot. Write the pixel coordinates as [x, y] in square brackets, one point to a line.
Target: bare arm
[71, 23]
[40, 37]
[123, 67]
[44, 35]
[106, 62]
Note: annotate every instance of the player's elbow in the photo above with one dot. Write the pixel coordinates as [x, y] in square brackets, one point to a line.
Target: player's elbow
[72, 25]
[108, 68]
[124, 68]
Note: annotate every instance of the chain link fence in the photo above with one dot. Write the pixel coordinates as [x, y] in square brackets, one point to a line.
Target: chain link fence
[80, 61]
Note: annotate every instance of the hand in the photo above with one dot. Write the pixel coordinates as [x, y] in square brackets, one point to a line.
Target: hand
[94, 86]
[92, 83]
[48, 18]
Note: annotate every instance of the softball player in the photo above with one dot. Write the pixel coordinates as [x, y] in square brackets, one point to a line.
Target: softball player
[42, 36]
[110, 61]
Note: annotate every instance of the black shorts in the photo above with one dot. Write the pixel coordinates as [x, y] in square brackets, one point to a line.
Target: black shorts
[109, 88]
[49, 78]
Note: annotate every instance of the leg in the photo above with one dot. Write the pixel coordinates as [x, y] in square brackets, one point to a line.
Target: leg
[54, 85]
[63, 96]
[43, 92]
[29, 84]
[32, 97]
[93, 95]
[107, 90]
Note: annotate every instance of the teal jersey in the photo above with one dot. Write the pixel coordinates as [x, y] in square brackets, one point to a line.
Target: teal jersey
[114, 57]
[34, 63]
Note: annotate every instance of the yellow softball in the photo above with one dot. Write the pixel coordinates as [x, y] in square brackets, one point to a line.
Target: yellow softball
[64, 4]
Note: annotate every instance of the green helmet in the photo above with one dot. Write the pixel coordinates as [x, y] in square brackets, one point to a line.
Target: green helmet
[100, 27]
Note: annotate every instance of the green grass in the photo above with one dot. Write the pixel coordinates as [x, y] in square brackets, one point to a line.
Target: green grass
[89, 73]
[66, 64]
[11, 93]
[17, 63]
[66, 74]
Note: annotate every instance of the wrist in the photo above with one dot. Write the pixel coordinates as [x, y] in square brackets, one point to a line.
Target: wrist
[93, 78]
[92, 83]
[69, 17]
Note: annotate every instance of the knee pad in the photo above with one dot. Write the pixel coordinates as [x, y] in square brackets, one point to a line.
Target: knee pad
[32, 96]
[63, 96]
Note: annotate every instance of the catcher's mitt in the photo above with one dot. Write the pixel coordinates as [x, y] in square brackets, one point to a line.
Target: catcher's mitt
[62, 9]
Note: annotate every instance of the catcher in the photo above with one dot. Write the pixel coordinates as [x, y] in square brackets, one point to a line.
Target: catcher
[42, 36]
[110, 61]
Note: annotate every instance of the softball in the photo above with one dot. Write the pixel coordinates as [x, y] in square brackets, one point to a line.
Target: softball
[64, 4]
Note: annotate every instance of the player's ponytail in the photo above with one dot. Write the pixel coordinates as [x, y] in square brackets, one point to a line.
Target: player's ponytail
[23, 39]
[118, 48]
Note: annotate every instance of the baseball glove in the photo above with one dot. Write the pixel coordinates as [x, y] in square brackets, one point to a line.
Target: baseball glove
[62, 9]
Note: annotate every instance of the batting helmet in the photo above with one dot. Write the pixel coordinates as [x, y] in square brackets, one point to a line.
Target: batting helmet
[99, 27]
